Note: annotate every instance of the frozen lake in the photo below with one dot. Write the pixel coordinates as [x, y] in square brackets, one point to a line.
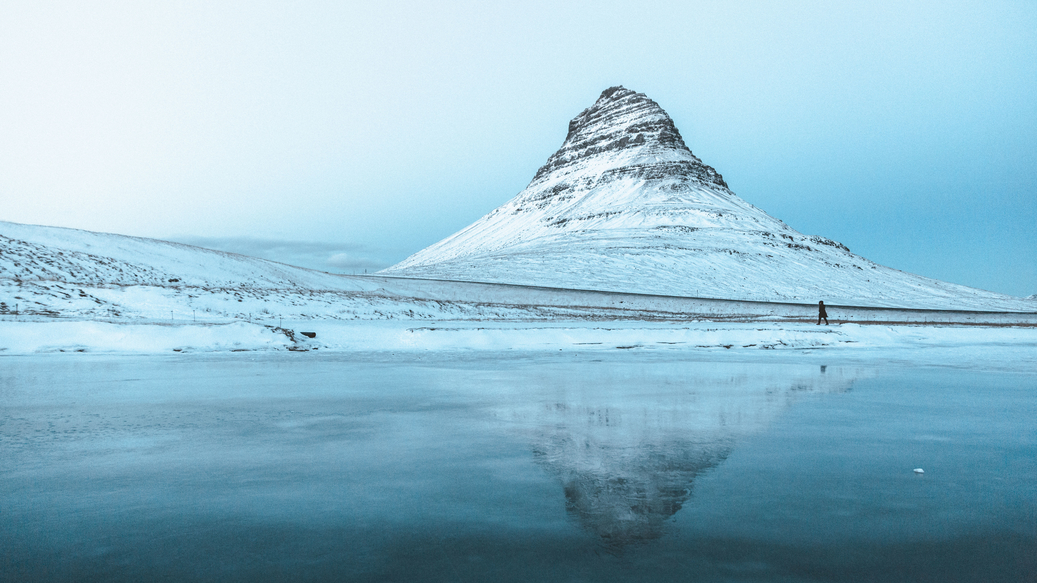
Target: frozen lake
[527, 467]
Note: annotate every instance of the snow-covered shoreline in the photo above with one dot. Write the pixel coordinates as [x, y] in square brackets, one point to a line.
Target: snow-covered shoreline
[1010, 347]
[68, 291]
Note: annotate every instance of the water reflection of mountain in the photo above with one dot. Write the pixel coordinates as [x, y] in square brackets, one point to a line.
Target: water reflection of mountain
[628, 447]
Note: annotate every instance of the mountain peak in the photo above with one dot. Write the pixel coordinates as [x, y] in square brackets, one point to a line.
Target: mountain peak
[625, 206]
[620, 128]
[630, 114]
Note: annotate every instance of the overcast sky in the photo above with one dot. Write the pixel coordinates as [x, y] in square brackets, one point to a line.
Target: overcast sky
[348, 135]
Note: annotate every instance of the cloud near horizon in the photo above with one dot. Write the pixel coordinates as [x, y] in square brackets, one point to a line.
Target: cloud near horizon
[333, 257]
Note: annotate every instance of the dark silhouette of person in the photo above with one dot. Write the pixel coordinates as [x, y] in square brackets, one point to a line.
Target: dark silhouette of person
[821, 313]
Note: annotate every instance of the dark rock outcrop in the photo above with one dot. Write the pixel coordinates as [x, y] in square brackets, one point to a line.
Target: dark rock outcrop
[624, 120]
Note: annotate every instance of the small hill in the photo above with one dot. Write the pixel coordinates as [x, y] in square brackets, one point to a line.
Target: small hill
[37, 253]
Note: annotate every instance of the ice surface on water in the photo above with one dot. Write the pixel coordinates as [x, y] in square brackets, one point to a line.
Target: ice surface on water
[530, 466]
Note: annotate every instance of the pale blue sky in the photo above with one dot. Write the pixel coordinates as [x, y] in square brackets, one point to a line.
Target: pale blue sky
[370, 130]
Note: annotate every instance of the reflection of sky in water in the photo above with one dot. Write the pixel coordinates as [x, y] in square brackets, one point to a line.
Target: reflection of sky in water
[523, 468]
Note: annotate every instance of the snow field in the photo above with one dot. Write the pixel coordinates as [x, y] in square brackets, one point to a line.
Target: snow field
[1009, 347]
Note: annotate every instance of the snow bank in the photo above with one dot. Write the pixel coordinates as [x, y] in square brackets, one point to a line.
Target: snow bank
[86, 336]
[1013, 347]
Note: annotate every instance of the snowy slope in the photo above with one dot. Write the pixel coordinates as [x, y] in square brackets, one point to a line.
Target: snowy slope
[625, 206]
[64, 290]
[70, 273]
[38, 253]
[51, 271]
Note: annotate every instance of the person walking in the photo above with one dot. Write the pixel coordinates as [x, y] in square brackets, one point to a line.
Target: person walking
[821, 313]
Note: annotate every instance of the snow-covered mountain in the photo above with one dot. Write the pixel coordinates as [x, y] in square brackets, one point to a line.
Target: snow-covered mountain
[625, 206]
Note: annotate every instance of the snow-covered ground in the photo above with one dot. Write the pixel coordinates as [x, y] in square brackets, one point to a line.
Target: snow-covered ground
[68, 273]
[64, 290]
[1012, 348]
